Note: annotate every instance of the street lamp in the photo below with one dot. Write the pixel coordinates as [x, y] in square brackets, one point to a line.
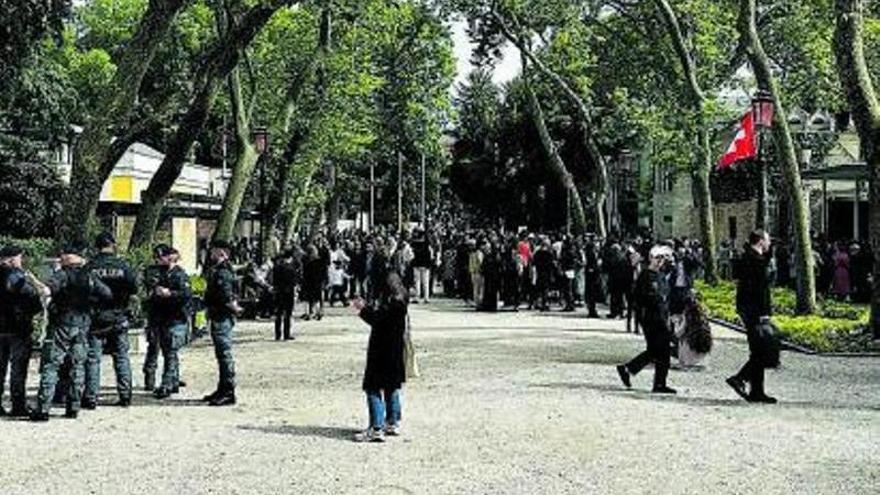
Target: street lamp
[762, 112]
[260, 136]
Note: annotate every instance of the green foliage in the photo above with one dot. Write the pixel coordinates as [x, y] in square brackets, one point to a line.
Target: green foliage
[836, 325]
[30, 191]
[198, 284]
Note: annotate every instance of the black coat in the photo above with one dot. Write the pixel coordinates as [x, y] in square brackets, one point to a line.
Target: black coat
[753, 285]
[385, 366]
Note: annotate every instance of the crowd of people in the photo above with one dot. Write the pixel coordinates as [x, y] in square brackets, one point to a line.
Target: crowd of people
[647, 283]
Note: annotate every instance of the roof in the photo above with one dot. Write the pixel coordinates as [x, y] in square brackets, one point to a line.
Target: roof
[848, 171]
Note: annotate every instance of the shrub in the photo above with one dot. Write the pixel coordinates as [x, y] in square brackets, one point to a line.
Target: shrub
[835, 327]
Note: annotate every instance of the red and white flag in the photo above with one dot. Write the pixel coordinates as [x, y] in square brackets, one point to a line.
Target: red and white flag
[743, 145]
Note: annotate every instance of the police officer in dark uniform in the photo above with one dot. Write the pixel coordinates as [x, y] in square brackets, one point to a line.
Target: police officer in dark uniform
[75, 293]
[652, 295]
[19, 303]
[110, 323]
[222, 305]
[170, 311]
[151, 277]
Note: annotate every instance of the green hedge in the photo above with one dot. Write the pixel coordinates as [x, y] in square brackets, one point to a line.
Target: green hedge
[835, 327]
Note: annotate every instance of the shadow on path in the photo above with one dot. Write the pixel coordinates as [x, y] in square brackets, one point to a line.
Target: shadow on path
[331, 432]
[644, 394]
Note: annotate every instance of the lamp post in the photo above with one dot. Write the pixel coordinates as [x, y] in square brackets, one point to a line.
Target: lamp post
[762, 112]
[261, 144]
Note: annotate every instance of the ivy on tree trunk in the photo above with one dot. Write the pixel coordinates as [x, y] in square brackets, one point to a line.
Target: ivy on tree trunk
[849, 47]
[806, 280]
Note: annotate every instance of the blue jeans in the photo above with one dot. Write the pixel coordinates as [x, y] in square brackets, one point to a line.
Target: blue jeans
[221, 336]
[63, 343]
[117, 342]
[15, 353]
[383, 410]
[172, 339]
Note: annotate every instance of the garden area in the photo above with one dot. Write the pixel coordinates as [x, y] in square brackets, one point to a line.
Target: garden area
[836, 327]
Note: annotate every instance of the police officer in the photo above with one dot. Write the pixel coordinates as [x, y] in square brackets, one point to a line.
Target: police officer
[19, 303]
[110, 323]
[75, 291]
[169, 306]
[222, 305]
[151, 278]
[652, 295]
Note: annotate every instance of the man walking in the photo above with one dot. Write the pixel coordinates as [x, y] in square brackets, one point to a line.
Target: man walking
[652, 294]
[222, 305]
[170, 308]
[19, 303]
[74, 291]
[754, 308]
[110, 323]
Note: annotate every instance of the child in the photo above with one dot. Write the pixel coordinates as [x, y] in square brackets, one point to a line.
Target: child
[385, 371]
[337, 278]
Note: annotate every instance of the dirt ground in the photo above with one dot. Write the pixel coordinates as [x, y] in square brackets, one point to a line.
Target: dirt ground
[520, 403]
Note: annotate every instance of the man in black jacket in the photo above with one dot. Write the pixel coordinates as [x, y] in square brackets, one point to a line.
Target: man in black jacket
[110, 323]
[652, 294]
[19, 303]
[170, 304]
[75, 292]
[753, 306]
[222, 305]
[286, 275]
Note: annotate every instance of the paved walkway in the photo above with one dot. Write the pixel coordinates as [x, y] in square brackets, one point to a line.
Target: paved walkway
[507, 403]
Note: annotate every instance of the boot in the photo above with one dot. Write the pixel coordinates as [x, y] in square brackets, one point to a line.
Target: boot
[149, 381]
[660, 373]
[227, 399]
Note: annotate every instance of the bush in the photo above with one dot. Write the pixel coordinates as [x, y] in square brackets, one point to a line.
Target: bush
[835, 327]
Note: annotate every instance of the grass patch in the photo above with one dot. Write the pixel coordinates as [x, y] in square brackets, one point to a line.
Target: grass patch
[836, 326]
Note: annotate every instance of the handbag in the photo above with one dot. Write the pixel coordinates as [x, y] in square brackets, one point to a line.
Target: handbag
[410, 361]
[768, 344]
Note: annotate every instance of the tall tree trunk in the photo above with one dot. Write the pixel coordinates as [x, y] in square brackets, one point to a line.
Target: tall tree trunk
[600, 184]
[702, 165]
[806, 281]
[296, 209]
[93, 149]
[221, 58]
[245, 164]
[153, 198]
[557, 166]
[849, 47]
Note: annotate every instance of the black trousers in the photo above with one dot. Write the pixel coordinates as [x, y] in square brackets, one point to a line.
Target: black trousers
[753, 370]
[616, 301]
[658, 352]
[283, 315]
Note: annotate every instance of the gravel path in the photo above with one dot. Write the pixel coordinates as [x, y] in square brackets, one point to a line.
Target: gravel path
[507, 403]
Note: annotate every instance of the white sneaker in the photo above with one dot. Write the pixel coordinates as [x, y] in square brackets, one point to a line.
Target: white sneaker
[392, 430]
[370, 435]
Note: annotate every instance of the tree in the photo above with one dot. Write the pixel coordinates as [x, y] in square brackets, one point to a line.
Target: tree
[94, 152]
[575, 206]
[858, 85]
[806, 283]
[219, 60]
[703, 157]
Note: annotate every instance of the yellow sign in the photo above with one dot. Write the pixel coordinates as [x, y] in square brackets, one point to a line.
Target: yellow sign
[122, 189]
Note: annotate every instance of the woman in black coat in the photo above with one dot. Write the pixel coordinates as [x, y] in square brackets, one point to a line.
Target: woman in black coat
[385, 372]
[314, 274]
